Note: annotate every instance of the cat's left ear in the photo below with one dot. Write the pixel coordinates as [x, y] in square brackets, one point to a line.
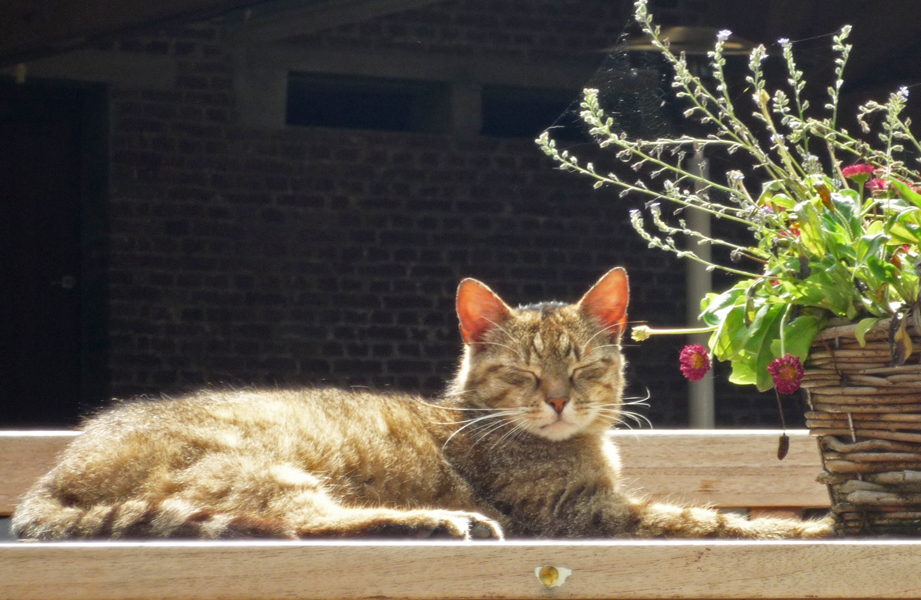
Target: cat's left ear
[607, 300]
[479, 310]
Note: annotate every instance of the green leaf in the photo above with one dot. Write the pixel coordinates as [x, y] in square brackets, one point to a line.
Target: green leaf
[882, 270]
[869, 245]
[826, 287]
[905, 191]
[729, 340]
[798, 336]
[863, 327]
[764, 329]
[715, 306]
[845, 203]
[810, 227]
[771, 194]
[903, 231]
[742, 374]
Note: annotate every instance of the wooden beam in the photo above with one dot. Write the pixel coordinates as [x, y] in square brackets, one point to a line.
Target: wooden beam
[730, 469]
[280, 20]
[726, 468]
[458, 570]
[31, 28]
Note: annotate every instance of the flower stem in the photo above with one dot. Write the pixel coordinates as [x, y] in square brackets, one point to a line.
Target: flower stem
[642, 332]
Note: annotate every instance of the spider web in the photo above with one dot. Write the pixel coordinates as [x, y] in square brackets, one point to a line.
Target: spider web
[633, 88]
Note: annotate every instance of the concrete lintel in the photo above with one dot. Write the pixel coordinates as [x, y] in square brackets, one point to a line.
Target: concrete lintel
[118, 68]
[281, 19]
[399, 64]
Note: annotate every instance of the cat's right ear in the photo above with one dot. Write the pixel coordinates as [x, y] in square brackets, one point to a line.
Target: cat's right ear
[479, 310]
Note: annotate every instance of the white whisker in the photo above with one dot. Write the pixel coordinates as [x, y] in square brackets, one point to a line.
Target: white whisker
[511, 432]
[637, 418]
[472, 422]
[638, 398]
[608, 328]
[492, 428]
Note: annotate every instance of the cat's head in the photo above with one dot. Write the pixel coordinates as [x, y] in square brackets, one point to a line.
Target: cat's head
[552, 370]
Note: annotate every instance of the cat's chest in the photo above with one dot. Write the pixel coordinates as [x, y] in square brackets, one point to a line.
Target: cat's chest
[538, 485]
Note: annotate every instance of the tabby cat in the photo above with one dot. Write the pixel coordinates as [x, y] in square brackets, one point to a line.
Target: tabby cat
[516, 448]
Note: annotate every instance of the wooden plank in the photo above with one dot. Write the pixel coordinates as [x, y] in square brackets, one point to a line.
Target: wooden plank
[727, 468]
[495, 570]
[24, 457]
[732, 469]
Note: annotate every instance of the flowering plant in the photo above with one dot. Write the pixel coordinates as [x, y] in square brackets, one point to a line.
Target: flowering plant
[835, 220]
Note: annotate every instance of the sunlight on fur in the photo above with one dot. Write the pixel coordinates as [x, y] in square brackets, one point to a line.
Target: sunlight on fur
[516, 447]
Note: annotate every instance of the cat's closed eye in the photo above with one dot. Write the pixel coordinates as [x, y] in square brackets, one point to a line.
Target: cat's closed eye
[520, 378]
[589, 372]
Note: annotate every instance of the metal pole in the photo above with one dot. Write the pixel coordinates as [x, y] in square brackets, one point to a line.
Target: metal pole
[698, 283]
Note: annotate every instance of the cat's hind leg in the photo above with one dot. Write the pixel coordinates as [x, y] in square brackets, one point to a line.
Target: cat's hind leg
[286, 498]
[227, 495]
[394, 523]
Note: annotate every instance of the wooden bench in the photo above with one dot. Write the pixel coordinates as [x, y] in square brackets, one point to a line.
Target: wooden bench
[730, 469]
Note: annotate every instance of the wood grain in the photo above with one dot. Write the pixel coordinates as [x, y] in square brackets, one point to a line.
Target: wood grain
[732, 469]
[495, 570]
[24, 457]
[726, 468]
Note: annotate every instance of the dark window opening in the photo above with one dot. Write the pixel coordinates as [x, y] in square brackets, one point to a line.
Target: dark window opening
[526, 112]
[366, 103]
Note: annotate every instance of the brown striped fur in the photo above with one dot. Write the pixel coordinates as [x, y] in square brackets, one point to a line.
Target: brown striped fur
[515, 448]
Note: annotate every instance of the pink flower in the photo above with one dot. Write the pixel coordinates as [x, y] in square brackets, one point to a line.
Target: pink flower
[860, 172]
[877, 185]
[695, 362]
[790, 233]
[787, 373]
[910, 186]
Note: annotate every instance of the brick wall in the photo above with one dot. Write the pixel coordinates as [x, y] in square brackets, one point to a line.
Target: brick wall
[322, 256]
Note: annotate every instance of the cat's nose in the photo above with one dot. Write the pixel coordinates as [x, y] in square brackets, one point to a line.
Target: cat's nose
[557, 404]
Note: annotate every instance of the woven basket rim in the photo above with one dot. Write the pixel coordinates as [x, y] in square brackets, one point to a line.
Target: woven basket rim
[838, 327]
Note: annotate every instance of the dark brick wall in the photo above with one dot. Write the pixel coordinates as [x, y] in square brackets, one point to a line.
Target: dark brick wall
[321, 256]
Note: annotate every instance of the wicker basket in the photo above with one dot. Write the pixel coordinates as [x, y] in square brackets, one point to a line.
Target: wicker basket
[867, 417]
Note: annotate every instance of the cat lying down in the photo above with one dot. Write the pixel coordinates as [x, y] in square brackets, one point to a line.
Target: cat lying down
[515, 448]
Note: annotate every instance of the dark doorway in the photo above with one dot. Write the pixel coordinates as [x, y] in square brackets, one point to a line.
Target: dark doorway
[52, 186]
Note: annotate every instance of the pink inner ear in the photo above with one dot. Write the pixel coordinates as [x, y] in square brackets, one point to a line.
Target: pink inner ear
[607, 300]
[479, 310]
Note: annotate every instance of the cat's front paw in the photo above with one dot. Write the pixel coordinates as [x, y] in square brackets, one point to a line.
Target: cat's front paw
[445, 524]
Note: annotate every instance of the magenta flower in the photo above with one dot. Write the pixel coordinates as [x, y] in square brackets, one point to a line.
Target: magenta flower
[787, 373]
[695, 362]
[877, 185]
[859, 173]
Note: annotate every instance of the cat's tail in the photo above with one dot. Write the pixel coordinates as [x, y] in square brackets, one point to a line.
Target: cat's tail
[658, 520]
[43, 516]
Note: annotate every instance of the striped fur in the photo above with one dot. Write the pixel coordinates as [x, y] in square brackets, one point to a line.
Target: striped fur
[516, 448]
